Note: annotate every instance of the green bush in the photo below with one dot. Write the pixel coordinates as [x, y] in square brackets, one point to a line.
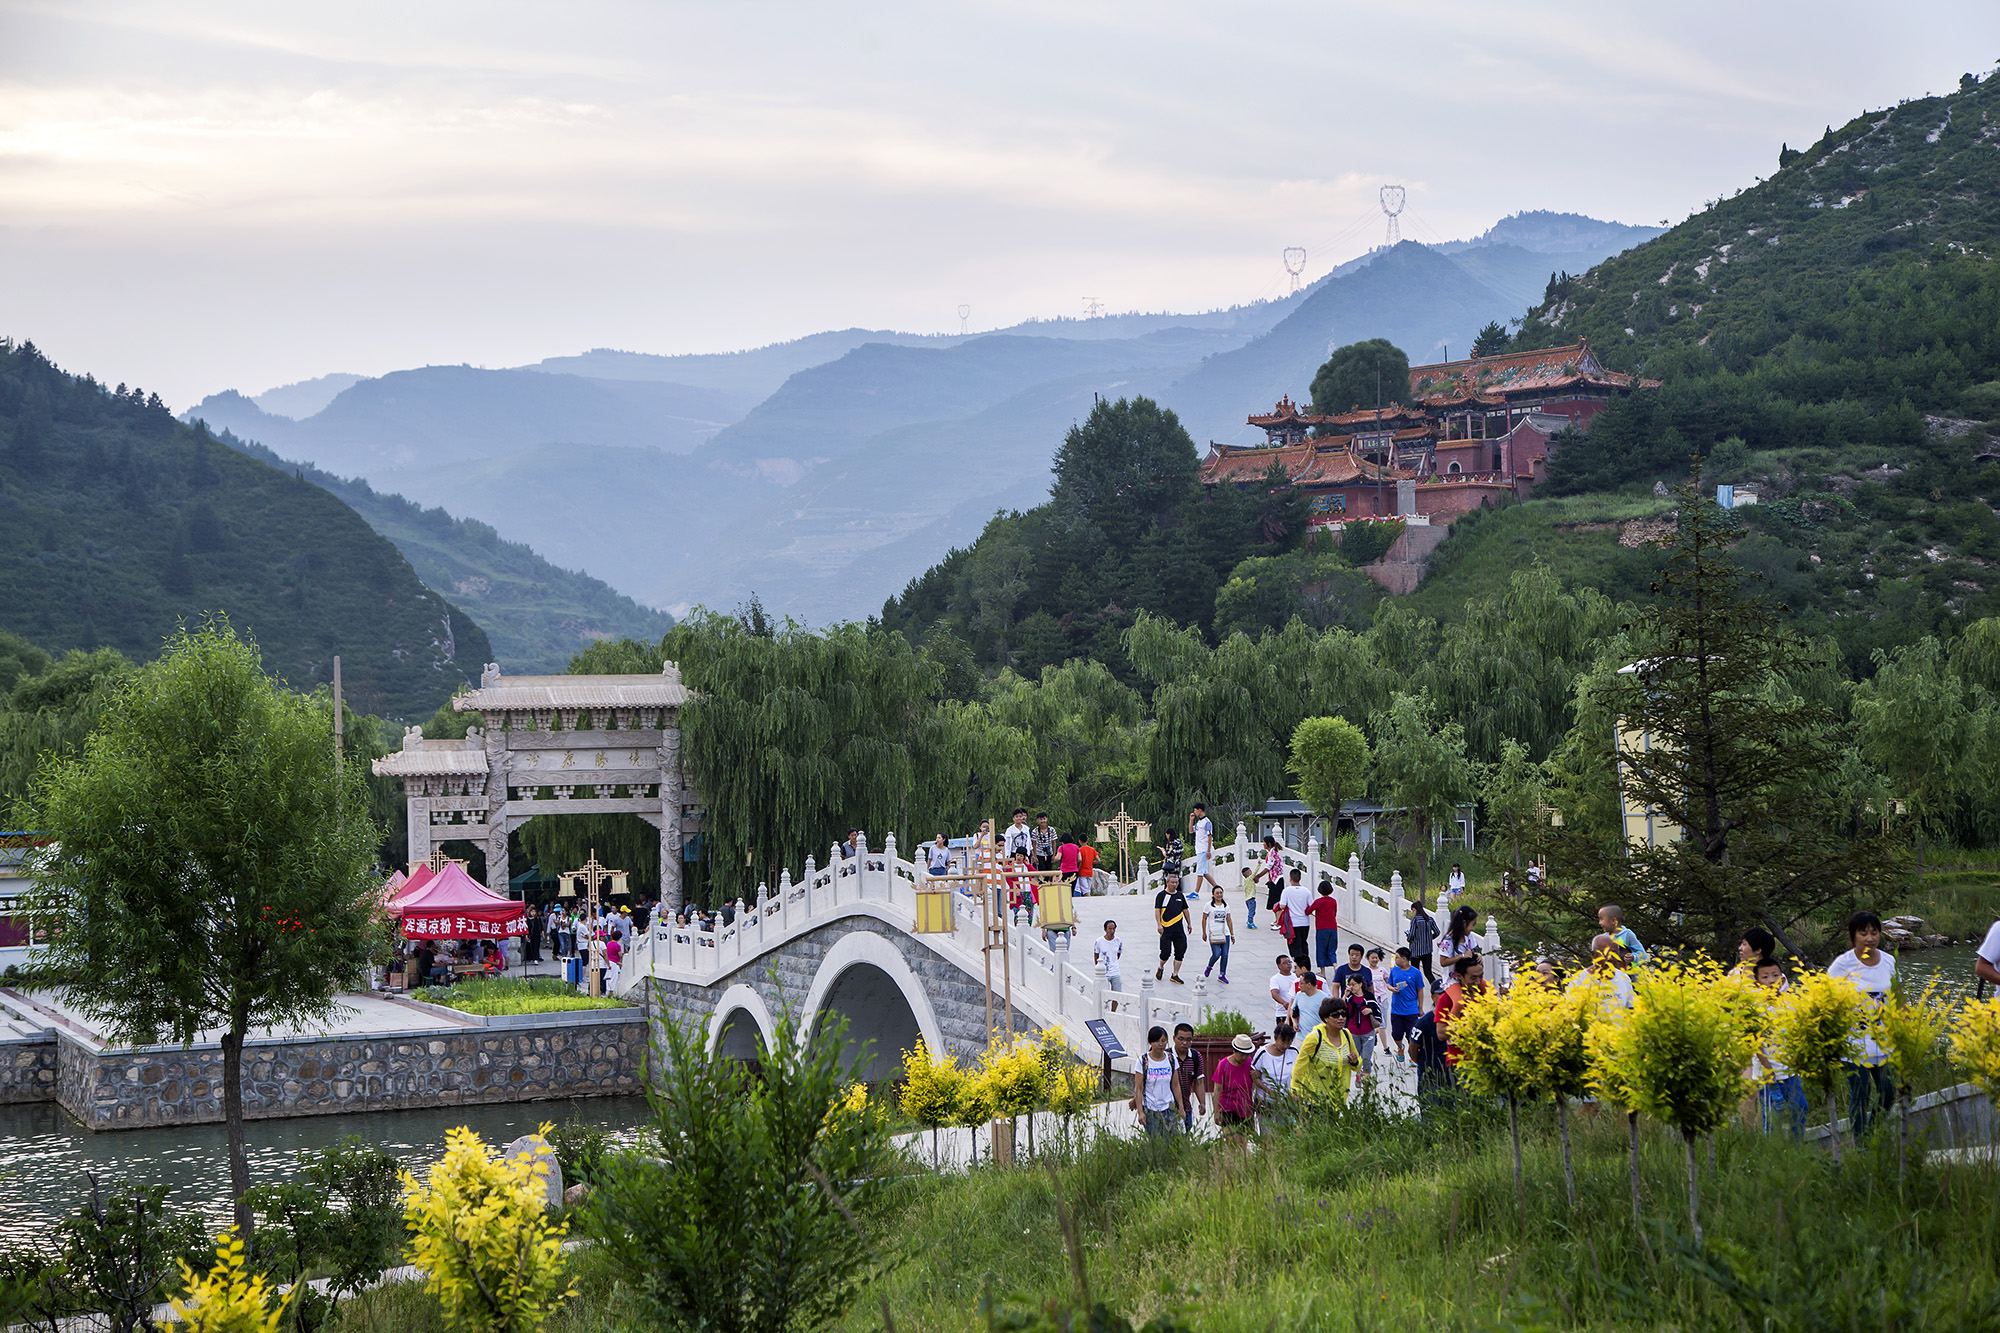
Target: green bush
[1223, 1023]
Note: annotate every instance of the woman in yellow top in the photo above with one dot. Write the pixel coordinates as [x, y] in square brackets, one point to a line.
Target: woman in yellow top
[1325, 1057]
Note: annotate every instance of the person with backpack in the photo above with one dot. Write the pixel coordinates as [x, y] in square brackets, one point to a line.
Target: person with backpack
[1327, 1058]
[1363, 1015]
[1156, 1092]
[1170, 914]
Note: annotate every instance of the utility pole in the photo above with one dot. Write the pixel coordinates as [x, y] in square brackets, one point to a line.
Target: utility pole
[339, 726]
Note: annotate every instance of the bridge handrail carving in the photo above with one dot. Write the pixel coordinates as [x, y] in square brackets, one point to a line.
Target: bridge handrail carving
[1049, 986]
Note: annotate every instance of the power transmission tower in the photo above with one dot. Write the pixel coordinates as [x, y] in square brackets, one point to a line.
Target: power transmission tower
[1295, 263]
[964, 318]
[1092, 307]
[1392, 203]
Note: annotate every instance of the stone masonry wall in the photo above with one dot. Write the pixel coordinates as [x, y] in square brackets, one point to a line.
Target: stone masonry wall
[327, 1076]
[27, 1070]
[783, 978]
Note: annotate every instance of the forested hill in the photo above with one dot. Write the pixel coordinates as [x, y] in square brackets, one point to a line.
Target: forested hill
[116, 522]
[537, 614]
[1859, 278]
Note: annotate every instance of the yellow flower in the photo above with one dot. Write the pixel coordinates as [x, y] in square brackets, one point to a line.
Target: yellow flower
[229, 1299]
[488, 1251]
[1812, 1026]
[1912, 1031]
[1015, 1076]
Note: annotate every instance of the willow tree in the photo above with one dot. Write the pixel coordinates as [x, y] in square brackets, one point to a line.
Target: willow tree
[1422, 771]
[215, 865]
[1225, 715]
[796, 736]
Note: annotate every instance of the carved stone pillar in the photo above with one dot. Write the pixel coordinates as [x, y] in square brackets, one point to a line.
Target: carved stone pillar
[418, 812]
[671, 889]
[496, 811]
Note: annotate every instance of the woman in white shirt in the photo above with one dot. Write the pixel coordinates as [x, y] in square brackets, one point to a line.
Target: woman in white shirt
[1871, 1085]
[1218, 928]
[1272, 1067]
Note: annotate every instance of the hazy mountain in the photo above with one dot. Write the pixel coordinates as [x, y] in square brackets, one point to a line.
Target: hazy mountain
[447, 414]
[827, 411]
[821, 471]
[1558, 234]
[306, 397]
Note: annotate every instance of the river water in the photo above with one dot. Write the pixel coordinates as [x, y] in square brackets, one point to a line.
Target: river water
[45, 1155]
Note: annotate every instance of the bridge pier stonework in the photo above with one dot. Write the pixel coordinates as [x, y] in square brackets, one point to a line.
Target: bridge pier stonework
[889, 984]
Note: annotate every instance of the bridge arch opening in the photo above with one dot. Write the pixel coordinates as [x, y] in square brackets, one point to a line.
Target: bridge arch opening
[865, 979]
[741, 1027]
[878, 1016]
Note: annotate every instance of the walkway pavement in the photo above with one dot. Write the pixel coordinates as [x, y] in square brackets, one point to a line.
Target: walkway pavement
[357, 1014]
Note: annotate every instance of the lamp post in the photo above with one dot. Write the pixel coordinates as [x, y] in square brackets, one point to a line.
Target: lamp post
[594, 876]
[1122, 826]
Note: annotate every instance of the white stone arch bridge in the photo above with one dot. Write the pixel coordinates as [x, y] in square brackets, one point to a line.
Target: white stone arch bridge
[841, 939]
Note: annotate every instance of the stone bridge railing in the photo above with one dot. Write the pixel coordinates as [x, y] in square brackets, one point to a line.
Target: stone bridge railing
[1049, 985]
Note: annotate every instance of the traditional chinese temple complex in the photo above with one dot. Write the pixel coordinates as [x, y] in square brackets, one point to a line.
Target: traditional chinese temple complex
[1476, 430]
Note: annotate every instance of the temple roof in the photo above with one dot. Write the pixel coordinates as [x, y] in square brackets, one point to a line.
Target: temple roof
[498, 693]
[1230, 463]
[420, 757]
[1361, 418]
[1489, 379]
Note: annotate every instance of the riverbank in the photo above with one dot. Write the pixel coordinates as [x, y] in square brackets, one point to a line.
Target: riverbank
[45, 1154]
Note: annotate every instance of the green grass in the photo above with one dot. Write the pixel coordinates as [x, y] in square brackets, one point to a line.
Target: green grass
[1485, 548]
[1602, 507]
[1381, 1222]
[492, 996]
[1395, 1224]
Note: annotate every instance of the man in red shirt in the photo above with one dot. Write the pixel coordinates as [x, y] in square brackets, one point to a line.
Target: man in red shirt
[1086, 864]
[1471, 974]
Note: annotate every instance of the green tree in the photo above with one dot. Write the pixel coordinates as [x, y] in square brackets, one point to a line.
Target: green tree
[1126, 468]
[1724, 741]
[1515, 792]
[1373, 373]
[802, 1177]
[1492, 339]
[1925, 728]
[1423, 772]
[1330, 760]
[215, 867]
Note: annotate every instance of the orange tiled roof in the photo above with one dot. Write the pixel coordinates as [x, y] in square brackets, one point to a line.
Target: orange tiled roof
[1372, 416]
[1490, 378]
[1227, 463]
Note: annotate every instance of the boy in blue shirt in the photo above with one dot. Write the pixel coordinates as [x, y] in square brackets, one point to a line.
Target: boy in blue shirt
[1406, 1000]
[1611, 920]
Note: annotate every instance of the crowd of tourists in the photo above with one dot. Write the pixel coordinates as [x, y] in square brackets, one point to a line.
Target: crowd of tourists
[1327, 1020]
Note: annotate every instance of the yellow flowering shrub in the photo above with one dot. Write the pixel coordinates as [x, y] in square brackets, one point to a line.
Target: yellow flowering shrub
[1813, 1025]
[1073, 1089]
[1679, 1055]
[1015, 1076]
[1505, 1046]
[932, 1085]
[1912, 1031]
[1975, 1045]
[229, 1299]
[487, 1248]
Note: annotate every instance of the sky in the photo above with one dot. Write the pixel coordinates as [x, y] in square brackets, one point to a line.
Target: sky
[200, 196]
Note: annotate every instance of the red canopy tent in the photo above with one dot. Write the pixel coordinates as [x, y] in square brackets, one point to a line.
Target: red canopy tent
[451, 905]
[419, 877]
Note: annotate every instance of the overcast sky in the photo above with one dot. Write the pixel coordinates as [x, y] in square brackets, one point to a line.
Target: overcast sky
[197, 196]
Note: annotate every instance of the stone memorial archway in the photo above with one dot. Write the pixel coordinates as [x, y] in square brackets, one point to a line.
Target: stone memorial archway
[544, 738]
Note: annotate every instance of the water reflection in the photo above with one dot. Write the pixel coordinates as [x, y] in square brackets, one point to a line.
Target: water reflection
[44, 1153]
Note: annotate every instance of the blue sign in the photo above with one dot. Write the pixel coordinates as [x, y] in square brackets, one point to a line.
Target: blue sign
[1106, 1038]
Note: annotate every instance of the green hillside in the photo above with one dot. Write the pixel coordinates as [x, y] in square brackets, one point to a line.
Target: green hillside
[116, 522]
[1830, 336]
[538, 615]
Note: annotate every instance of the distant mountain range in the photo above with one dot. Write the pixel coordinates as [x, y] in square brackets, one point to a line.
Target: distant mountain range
[824, 472]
